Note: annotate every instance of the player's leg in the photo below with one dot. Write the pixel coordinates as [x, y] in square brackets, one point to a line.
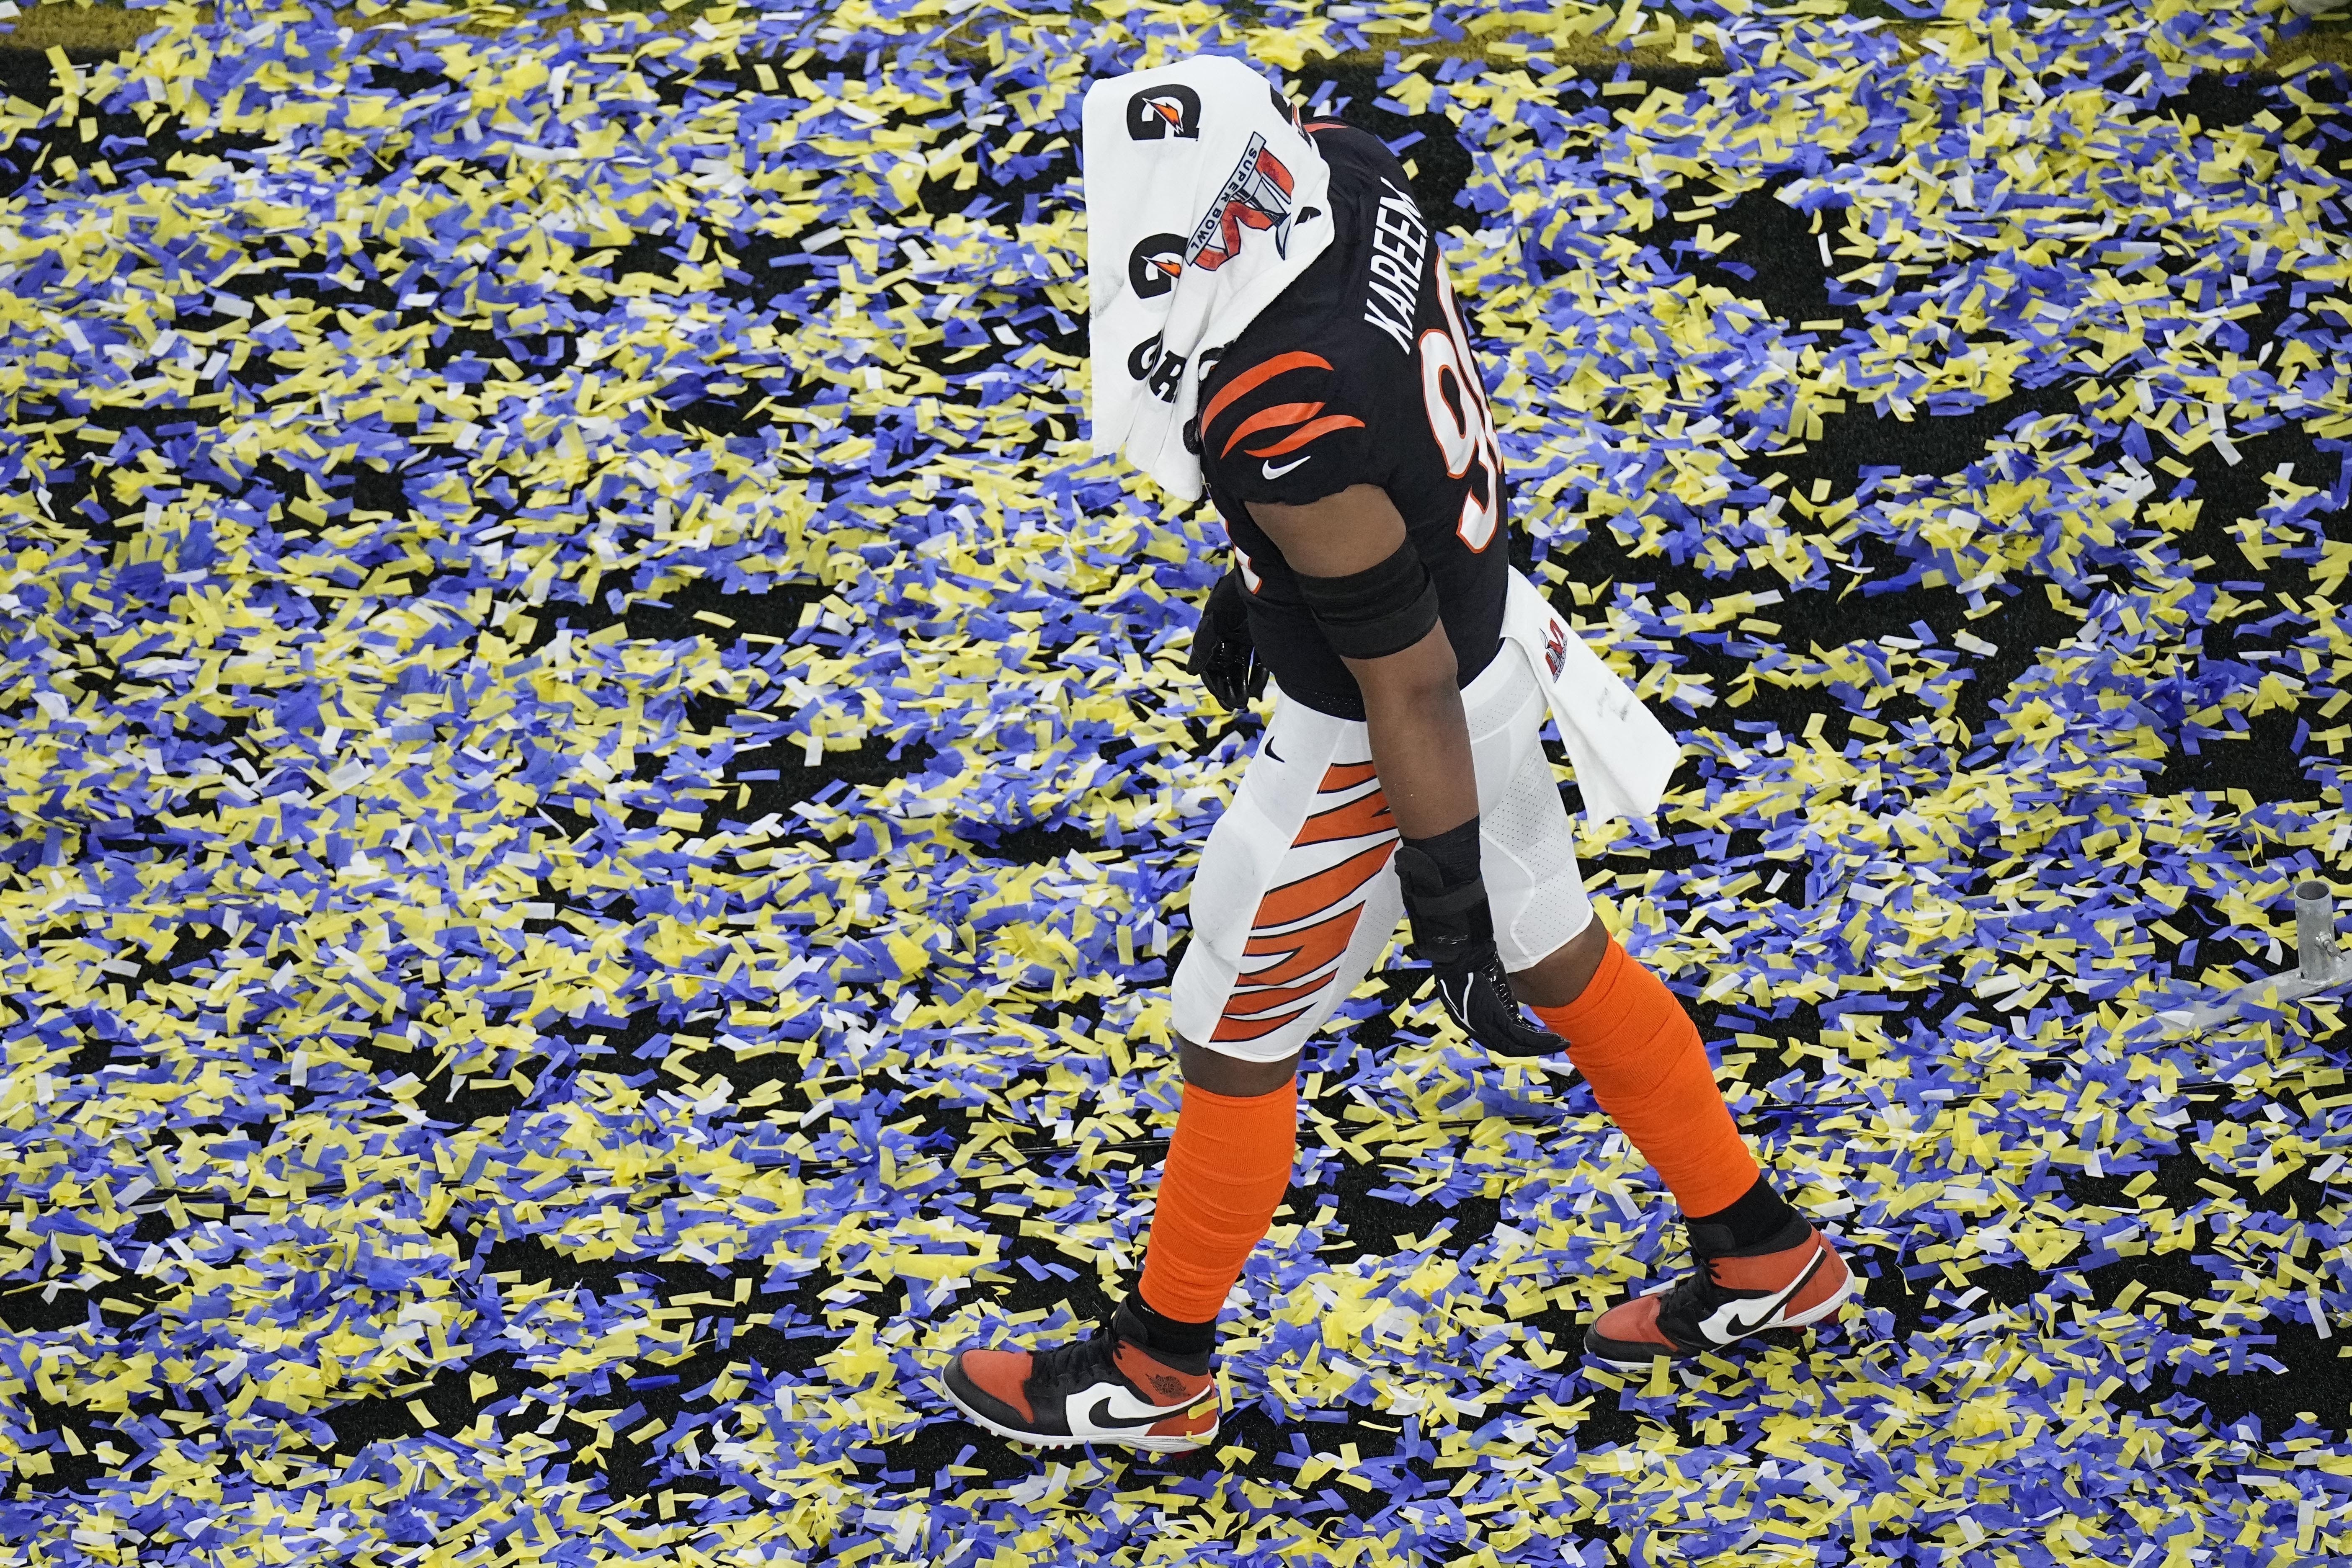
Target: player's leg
[1762, 1265]
[1290, 905]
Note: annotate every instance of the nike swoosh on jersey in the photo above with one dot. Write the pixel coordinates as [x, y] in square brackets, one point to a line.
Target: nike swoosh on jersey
[1274, 473]
[1101, 1414]
[1736, 1328]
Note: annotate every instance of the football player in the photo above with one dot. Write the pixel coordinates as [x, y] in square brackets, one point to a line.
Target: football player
[1344, 436]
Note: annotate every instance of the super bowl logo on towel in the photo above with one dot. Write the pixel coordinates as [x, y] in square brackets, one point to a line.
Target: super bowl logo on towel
[1257, 196]
[1556, 648]
[1155, 264]
[1158, 112]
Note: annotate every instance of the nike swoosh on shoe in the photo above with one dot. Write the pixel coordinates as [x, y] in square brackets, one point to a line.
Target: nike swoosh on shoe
[1100, 1416]
[1735, 1329]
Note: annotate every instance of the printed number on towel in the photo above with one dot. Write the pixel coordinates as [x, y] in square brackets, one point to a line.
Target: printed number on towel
[1467, 436]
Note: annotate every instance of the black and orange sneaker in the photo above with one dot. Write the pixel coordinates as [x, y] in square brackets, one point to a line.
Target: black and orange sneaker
[1107, 1388]
[1793, 1281]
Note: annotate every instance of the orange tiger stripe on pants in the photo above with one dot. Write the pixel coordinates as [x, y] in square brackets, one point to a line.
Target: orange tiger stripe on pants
[1303, 927]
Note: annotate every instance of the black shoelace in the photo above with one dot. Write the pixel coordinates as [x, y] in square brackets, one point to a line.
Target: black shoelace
[1078, 1363]
[1693, 1297]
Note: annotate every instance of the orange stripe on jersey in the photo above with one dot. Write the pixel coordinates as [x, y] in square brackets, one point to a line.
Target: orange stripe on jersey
[1306, 432]
[1344, 775]
[1325, 890]
[1268, 418]
[1358, 818]
[1300, 954]
[1256, 377]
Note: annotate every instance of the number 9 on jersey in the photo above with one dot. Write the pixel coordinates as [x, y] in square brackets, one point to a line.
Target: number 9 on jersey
[1463, 425]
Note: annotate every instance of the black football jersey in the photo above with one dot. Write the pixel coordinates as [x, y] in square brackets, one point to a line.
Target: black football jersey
[1361, 373]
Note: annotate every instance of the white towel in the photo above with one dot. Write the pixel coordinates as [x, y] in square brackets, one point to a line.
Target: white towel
[1204, 201]
[1623, 757]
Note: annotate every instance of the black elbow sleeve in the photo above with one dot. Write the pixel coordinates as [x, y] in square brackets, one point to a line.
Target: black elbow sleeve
[1382, 610]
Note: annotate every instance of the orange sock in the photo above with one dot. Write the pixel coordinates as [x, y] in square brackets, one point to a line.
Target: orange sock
[1641, 1053]
[1228, 1166]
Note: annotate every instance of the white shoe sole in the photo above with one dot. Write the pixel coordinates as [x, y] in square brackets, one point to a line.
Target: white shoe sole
[1138, 1440]
[1807, 1319]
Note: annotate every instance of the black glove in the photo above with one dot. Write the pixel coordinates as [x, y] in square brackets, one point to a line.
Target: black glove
[1454, 931]
[1224, 654]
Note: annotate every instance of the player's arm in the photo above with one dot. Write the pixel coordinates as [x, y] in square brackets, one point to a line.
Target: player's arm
[1370, 593]
[1371, 596]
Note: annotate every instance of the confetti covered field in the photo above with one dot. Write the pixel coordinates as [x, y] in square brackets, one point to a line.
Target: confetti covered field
[599, 791]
